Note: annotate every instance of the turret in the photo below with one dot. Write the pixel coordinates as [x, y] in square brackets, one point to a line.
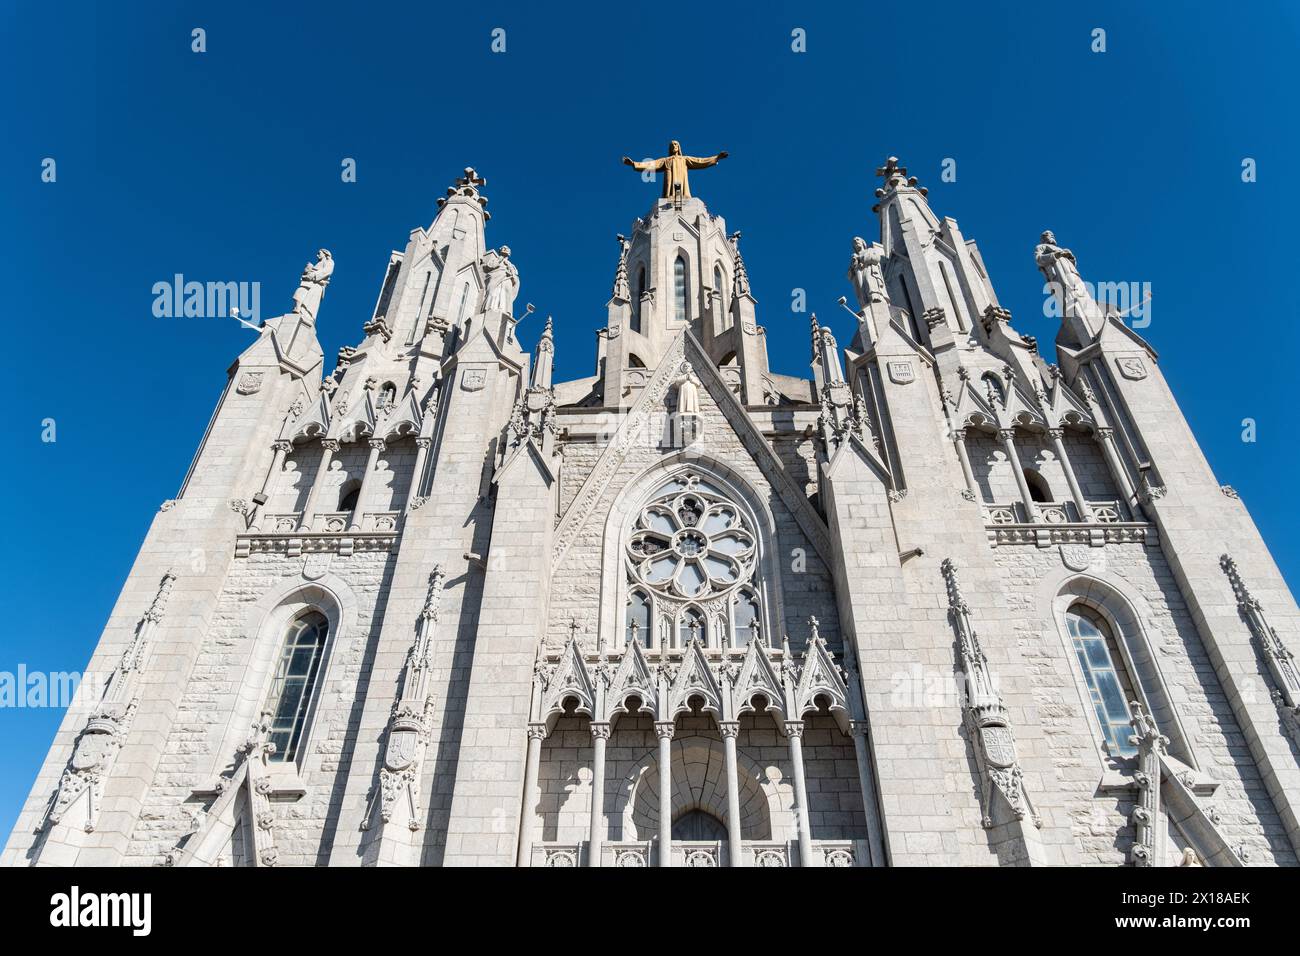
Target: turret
[679, 269]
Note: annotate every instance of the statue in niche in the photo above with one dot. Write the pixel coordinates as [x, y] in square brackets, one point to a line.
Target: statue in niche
[865, 272]
[311, 287]
[688, 391]
[502, 281]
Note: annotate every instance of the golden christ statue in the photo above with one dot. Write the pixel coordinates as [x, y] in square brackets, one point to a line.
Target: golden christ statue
[674, 166]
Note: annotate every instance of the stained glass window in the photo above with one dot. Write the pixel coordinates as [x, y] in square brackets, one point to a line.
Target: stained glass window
[1107, 685]
[294, 685]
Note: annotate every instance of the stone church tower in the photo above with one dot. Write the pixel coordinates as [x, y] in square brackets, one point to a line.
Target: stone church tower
[937, 602]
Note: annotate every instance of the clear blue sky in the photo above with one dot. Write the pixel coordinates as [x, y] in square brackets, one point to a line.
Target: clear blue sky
[225, 166]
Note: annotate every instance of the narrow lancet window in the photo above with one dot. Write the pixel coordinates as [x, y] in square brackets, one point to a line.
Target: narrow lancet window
[679, 290]
[1107, 683]
[293, 688]
[638, 619]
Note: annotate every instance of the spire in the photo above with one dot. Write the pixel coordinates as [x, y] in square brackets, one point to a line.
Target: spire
[545, 361]
[741, 284]
[902, 200]
[622, 290]
[826, 353]
[533, 417]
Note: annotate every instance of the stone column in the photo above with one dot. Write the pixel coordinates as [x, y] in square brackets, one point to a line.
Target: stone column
[328, 447]
[536, 734]
[735, 845]
[665, 730]
[1115, 463]
[794, 734]
[1058, 445]
[599, 734]
[963, 456]
[858, 729]
[358, 513]
[280, 448]
[422, 446]
[1008, 436]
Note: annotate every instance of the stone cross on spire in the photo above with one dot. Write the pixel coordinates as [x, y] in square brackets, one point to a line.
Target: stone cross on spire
[895, 175]
[471, 179]
[468, 186]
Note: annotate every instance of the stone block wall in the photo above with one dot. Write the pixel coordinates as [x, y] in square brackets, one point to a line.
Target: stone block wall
[1099, 820]
[191, 759]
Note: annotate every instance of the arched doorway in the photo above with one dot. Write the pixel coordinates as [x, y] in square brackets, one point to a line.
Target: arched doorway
[699, 824]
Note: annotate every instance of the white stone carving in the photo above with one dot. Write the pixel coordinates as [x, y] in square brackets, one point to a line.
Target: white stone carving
[986, 716]
[249, 383]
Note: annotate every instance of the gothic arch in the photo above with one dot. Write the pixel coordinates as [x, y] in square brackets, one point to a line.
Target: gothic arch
[1128, 615]
[693, 274]
[699, 783]
[614, 588]
[264, 626]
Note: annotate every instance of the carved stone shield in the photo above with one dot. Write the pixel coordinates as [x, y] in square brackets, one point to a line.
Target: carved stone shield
[316, 565]
[1131, 368]
[473, 379]
[1076, 557]
[401, 749]
[999, 746]
[901, 373]
[249, 383]
[91, 751]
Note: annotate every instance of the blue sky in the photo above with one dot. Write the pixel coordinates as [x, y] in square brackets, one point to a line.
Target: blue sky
[226, 166]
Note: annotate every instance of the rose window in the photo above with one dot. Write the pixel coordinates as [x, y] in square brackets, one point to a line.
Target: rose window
[690, 541]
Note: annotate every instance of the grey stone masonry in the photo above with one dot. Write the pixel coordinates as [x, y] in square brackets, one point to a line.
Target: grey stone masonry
[933, 602]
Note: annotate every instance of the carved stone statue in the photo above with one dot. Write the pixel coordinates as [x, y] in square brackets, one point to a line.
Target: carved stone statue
[1061, 269]
[688, 391]
[674, 167]
[865, 272]
[502, 281]
[311, 287]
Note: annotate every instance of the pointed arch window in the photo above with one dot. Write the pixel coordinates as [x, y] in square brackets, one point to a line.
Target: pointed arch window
[294, 686]
[638, 619]
[464, 303]
[679, 290]
[994, 388]
[690, 625]
[1109, 687]
[1039, 490]
[637, 289]
[744, 618]
[719, 284]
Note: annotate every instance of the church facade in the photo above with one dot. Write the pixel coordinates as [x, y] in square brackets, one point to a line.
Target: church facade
[937, 602]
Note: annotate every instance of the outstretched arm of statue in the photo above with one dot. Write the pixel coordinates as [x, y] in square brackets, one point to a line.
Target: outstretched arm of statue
[701, 162]
[654, 164]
